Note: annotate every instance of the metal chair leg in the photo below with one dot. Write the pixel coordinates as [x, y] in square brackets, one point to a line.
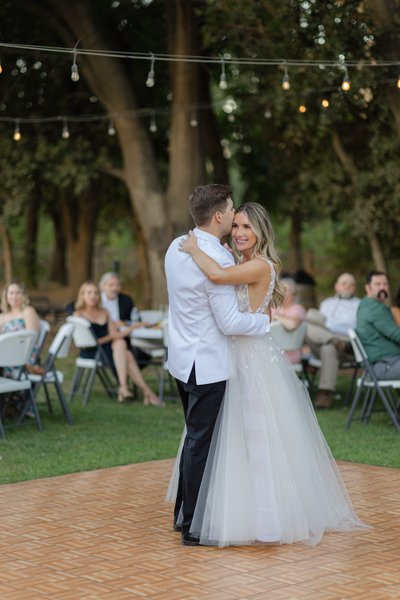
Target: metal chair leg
[63, 402]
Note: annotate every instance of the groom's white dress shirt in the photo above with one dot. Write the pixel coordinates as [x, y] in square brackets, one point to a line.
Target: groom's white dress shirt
[202, 314]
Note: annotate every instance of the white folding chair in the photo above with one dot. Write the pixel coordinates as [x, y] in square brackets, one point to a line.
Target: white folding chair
[164, 363]
[44, 328]
[312, 364]
[372, 388]
[151, 316]
[289, 340]
[15, 350]
[59, 348]
[83, 337]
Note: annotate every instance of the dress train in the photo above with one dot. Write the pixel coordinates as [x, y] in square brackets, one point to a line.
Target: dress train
[270, 475]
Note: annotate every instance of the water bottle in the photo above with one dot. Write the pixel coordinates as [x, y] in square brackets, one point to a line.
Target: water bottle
[135, 315]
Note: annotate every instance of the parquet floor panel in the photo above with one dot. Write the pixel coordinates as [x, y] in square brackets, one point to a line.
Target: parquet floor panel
[107, 534]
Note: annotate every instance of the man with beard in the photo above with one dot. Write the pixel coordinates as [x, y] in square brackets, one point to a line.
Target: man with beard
[377, 329]
[327, 330]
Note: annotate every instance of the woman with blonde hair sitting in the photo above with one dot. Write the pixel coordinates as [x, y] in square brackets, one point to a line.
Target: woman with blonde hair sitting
[18, 314]
[113, 343]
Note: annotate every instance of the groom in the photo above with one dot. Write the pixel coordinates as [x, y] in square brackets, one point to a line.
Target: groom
[201, 317]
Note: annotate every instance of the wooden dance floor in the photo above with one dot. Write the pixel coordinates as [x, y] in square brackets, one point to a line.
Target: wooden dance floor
[108, 534]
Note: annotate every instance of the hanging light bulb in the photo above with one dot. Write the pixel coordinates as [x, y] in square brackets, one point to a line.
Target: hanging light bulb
[111, 128]
[17, 134]
[193, 120]
[268, 113]
[223, 84]
[398, 82]
[65, 130]
[74, 68]
[325, 103]
[285, 80]
[302, 108]
[153, 124]
[346, 81]
[74, 72]
[151, 74]
[1, 67]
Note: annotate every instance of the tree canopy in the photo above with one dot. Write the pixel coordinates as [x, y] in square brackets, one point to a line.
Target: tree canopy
[334, 162]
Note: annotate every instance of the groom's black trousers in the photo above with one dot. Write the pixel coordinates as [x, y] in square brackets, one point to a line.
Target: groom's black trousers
[201, 404]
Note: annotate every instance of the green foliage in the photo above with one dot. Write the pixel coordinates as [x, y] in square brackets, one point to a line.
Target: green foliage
[278, 156]
[16, 178]
[287, 159]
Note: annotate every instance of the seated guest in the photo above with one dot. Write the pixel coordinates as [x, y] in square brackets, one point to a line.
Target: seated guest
[290, 315]
[113, 343]
[17, 314]
[327, 335]
[120, 307]
[377, 329]
[396, 308]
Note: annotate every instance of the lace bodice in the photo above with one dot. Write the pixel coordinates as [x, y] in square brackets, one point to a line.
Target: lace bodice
[242, 292]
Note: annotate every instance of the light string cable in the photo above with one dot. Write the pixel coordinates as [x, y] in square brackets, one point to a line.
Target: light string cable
[111, 117]
[191, 109]
[201, 59]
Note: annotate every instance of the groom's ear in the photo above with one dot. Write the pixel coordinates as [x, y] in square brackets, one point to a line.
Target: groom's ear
[218, 216]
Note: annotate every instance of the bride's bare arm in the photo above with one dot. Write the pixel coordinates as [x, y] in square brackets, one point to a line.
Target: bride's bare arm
[248, 272]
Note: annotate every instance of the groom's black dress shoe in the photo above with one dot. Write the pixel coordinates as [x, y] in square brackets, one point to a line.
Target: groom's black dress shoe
[188, 539]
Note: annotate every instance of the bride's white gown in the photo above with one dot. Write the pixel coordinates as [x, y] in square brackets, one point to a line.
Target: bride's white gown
[270, 476]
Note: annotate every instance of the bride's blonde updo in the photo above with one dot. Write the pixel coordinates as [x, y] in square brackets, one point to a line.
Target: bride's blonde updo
[260, 223]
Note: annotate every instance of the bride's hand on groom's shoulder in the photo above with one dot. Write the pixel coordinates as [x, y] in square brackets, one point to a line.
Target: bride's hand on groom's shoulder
[227, 246]
[189, 243]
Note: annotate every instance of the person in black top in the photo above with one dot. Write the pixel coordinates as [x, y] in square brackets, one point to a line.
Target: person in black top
[113, 343]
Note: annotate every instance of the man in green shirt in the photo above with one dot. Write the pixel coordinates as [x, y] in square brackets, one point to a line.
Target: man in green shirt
[376, 328]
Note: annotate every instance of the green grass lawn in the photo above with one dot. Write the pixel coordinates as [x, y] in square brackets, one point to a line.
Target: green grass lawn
[107, 434]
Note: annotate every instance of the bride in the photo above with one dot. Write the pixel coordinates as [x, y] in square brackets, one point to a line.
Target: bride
[270, 476]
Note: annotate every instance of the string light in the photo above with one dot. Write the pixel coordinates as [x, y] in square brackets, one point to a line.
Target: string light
[398, 82]
[74, 68]
[204, 59]
[223, 84]
[65, 130]
[192, 110]
[153, 124]
[1, 67]
[346, 81]
[193, 120]
[285, 80]
[17, 133]
[151, 73]
[111, 128]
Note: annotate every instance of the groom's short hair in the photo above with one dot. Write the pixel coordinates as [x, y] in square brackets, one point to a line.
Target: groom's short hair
[206, 200]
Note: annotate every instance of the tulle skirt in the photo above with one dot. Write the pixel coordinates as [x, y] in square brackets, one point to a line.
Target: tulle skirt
[270, 475]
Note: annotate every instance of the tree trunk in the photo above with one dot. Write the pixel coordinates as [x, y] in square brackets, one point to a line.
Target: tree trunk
[58, 269]
[7, 249]
[386, 15]
[377, 252]
[296, 257]
[218, 171]
[374, 240]
[139, 166]
[142, 295]
[79, 226]
[31, 232]
[187, 156]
